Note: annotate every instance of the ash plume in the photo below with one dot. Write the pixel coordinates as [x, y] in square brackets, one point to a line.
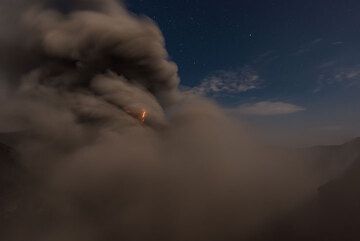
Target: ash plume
[80, 72]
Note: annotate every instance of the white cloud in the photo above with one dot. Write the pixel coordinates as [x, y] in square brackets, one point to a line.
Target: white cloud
[267, 108]
[229, 82]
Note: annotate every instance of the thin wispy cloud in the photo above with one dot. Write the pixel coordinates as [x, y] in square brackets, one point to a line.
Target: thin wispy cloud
[265, 58]
[229, 82]
[334, 127]
[348, 76]
[267, 108]
[338, 43]
[307, 47]
[327, 64]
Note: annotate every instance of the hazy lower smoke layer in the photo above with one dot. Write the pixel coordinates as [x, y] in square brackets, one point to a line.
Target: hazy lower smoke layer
[82, 72]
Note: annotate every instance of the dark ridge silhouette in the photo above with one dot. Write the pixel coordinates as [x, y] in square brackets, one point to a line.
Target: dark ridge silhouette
[331, 161]
[334, 215]
[8, 168]
[13, 188]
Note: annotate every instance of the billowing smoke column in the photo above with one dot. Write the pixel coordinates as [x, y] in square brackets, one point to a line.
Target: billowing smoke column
[84, 75]
[100, 50]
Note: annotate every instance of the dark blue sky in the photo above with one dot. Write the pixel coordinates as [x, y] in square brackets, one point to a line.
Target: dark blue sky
[302, 52]
[205, 35]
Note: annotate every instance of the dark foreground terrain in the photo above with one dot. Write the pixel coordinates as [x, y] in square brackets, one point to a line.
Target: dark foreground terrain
[333, 215]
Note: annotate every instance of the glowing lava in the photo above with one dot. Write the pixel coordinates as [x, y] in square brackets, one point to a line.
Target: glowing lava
[142, 116]
[139, 115]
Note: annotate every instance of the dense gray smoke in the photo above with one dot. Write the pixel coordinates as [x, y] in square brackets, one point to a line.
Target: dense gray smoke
[113, 150]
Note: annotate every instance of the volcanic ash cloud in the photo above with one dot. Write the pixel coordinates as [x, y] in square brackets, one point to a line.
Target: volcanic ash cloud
[81, 75]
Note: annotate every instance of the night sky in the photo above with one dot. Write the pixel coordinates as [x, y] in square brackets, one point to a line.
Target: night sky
[301, 53]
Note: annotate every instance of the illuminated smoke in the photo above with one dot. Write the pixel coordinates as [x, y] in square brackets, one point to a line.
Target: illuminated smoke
[84, 80]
